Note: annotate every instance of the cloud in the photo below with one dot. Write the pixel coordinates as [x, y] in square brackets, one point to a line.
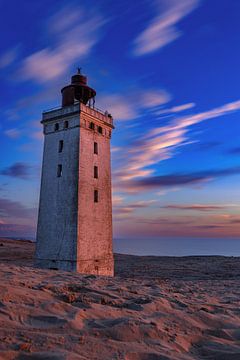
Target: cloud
[117, 200]
[13, 133]
[115, 149]
[15, 210]
[119, 106]
[154, 97]
[37, 135]
[194, 224]
[178, 179]
[176, 109]
[148, 152]
[162, 29]
[195, 207]
[64, 19]
[7, 58]
[209, 227]
[142, 204]
[235, 221]
[17, 170]
[131, 107]
[161, 143]
[73, 37]
[121, 210]
[185, 122]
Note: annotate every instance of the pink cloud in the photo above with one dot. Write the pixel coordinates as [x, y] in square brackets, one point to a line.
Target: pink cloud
[176, 109]
[162, 29]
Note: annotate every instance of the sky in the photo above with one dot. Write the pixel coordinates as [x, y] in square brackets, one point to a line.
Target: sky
[167, 70]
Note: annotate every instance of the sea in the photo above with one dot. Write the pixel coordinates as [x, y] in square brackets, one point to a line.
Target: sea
[172, 246]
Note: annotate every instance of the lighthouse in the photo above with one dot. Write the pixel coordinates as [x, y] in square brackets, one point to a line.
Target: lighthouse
[74, 230]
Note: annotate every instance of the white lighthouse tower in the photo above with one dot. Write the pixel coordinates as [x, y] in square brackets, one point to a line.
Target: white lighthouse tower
[75, 210]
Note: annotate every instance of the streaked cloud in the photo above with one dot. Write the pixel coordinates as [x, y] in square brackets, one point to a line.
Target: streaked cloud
[115, 149]
[185, 122]
[161, 143]
[177, 179]
[176, 109]
[235, 221]
[122, 210]
[200, 224]
[18, 170]
[148, 152]
[163, 30]
[117, 200]
[195, 207]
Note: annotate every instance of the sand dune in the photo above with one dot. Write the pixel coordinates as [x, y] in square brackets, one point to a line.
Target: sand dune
[156, 308]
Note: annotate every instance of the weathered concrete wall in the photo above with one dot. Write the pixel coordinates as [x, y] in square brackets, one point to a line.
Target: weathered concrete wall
[57, 222]
[94, 218]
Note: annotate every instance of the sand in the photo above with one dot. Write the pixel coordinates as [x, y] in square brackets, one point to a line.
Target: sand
[155, 308]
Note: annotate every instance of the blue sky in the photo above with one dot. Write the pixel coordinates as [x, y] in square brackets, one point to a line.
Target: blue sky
[167, 70]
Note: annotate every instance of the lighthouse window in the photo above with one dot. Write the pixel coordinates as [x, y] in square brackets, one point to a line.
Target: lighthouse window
[66, 124]
[95, 172]
[100, 130]
[95, 148]
[59, 170]
[91, 125]
[60, 146]
[95, 196]
[56, 127]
